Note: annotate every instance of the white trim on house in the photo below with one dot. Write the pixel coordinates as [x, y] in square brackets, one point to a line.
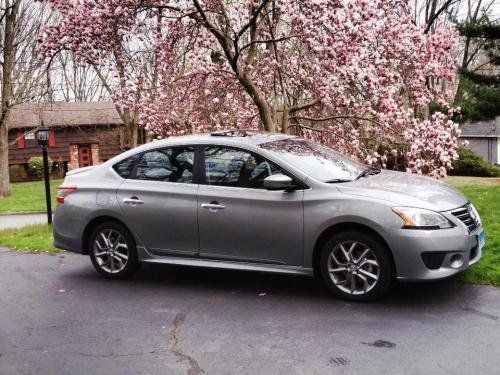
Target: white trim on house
[498, 150]
[478, 136]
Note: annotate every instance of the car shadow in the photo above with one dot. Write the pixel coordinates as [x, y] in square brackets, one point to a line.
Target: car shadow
[161, 278]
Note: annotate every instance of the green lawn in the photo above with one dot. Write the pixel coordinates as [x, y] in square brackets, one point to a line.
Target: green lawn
[463, 181]
[486, 199]
[34, 237]
[483, 192]
[28, 197]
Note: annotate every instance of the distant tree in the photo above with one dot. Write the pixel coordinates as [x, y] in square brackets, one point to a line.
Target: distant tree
[73, 82]
[479, 91]
[23, 75]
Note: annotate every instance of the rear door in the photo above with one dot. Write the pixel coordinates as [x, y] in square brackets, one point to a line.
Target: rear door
[159, 201]
[239, 219]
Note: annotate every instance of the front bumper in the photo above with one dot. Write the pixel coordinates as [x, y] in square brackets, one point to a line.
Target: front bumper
[430, 254]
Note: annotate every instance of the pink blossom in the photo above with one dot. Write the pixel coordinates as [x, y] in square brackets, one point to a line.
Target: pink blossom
[351, 74]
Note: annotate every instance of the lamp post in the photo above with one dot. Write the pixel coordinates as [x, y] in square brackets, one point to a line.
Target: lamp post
[42, 137]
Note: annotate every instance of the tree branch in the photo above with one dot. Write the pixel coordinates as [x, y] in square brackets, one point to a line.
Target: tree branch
[253, 19]
[267, 41]
[437, 14]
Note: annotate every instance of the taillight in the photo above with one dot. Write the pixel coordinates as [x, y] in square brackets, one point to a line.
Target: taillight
[63, 191]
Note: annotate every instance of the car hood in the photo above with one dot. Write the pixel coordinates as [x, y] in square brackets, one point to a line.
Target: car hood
[406, 189]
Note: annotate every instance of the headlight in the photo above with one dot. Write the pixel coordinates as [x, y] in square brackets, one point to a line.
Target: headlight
[475, 215]
[418, 218]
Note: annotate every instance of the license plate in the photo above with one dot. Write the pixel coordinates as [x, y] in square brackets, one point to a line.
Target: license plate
[480, 239]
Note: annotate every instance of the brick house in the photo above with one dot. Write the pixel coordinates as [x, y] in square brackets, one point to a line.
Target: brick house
[82, 133]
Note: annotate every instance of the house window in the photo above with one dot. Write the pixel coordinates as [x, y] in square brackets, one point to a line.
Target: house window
[30, 139]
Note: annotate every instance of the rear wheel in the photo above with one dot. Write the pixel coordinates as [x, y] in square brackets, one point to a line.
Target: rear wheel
[113, 251]
[356, 266]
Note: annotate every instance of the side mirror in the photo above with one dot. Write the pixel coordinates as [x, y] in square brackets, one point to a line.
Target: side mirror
[278, 182]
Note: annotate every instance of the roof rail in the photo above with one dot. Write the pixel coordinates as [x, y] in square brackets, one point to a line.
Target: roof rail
[231, 133]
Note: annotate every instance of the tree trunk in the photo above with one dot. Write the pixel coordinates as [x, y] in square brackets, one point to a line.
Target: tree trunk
[285, 119]
[130, 135]
[259, 101]
[130, 127]
[7, 93]
[4, 162]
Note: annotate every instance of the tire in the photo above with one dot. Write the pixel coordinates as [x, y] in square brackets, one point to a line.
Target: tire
[113, 251]
[368, 263]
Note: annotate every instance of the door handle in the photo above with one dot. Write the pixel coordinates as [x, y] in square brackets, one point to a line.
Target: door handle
[133, 201]
[213, 206]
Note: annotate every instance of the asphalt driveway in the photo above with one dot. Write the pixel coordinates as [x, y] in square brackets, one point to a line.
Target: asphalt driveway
[57, 316]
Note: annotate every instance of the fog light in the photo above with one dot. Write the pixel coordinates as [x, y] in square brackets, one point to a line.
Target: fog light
[456, 261]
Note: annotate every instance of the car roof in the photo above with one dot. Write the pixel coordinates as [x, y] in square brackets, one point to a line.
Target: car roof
[230, 137]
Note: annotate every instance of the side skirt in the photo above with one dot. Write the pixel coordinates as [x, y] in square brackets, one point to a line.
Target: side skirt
[146, 257]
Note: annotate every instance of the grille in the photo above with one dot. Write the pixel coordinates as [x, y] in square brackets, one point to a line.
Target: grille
[467, 216]
[434, 260]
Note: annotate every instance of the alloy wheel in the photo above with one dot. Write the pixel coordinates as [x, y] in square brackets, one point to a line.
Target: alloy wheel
[111, 250]
[353, 267]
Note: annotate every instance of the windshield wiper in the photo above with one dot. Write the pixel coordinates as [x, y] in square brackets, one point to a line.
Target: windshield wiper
[368, 172]
[335, 180]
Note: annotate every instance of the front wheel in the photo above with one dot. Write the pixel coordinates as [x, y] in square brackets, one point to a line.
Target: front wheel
[113, 251]
[356, 266]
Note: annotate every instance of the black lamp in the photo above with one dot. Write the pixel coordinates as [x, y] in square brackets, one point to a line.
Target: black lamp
[42, 137]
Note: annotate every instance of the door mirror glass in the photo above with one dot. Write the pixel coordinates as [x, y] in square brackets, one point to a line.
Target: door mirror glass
[278, 182]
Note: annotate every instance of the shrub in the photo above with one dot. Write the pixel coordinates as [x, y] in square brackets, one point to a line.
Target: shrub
[17, 172]
[470, 164]
[35, 165]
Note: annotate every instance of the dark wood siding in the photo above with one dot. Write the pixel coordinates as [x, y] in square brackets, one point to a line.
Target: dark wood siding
[108, 138]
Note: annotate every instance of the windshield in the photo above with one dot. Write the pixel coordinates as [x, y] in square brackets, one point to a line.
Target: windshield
[316, 160]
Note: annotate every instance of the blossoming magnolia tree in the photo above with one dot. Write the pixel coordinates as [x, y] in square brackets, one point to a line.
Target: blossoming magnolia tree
[357, 75]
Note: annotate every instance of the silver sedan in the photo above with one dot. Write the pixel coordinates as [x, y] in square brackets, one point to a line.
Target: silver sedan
[266, 202]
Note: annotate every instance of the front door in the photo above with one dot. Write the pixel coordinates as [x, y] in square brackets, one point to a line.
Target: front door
[84, 156]
[239, 219]
[159, 201]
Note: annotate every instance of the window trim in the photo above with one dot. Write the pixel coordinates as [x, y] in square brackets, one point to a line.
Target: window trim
[297, 182]
[199, 177]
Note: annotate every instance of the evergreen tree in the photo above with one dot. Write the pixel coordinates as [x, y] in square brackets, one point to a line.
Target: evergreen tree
[479, 92]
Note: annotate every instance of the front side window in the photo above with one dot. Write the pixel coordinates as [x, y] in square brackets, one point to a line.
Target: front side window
[238, 168]
[170, 164]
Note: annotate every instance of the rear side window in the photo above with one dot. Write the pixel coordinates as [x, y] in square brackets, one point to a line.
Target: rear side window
[124, 168]
[170, 164]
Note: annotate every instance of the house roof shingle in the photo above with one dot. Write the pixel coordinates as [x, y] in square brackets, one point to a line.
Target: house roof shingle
[482, 129]
[30, 115]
